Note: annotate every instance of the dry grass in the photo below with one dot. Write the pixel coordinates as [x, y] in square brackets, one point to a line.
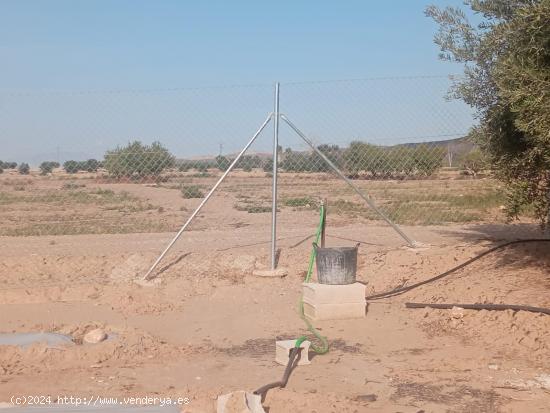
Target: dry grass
[52, 206]
[69, 211]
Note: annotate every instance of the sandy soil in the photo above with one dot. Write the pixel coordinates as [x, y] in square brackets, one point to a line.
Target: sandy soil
[210, 326]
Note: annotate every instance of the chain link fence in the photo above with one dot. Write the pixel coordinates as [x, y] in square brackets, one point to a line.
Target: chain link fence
[140, 162]
[401, 141]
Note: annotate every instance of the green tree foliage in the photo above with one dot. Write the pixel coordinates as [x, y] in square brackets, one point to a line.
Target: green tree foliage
[202, 166]
[222, 162]
[268, 165]
[91, 165]
[184, 166]
[295, 162]
[425, 159]
[24, 168]
[318, 164]
[137, 160]
[47, 167]
[506, 61]
[71, 167]
[248, 162]
[310, 161]
[392, 162]
[8, 165]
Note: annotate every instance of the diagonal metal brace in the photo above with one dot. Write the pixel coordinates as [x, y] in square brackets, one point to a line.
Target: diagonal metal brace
[365, 196]
[147, 275]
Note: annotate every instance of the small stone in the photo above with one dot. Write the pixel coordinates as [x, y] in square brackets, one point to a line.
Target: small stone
[493, 366]
[457, 312]
[95, 336]
[544, 380]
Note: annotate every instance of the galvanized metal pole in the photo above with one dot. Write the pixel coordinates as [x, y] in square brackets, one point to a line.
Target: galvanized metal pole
[323, 228]
[207, 197]
[275, 170]
[366, 197]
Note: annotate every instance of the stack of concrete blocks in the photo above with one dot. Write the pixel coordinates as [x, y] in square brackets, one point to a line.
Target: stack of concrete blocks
[334, 302]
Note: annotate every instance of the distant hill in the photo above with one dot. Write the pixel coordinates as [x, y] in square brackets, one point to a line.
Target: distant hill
[457, 146]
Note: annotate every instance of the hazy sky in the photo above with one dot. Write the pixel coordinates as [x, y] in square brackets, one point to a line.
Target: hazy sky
[83, 76]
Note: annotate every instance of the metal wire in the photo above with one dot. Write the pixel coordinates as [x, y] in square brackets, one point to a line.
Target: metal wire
[88, 163]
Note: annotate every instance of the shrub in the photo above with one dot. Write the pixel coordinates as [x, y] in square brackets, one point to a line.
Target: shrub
[73, 185]
[202, 167]
[71, 167]
[222, 163]
[296, 162]
[310, 161]
[8, 165]
[247, 162]
[300, 202]
[47, 167]
[138, 160]
[91, 165]
[191, 191]
[184, 166]
[252, 208]
[24, 169]
[268, 165]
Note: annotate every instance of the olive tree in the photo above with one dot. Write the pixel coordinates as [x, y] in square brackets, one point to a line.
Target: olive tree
[137, 160]
[506, 58]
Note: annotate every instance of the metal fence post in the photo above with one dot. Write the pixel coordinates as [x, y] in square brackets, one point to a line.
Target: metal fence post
[274, 189]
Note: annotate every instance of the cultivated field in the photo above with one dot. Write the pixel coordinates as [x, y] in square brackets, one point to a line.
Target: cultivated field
[72, 246]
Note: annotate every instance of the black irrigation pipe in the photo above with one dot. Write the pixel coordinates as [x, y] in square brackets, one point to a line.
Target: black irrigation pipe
[490, 307]
[293, 358]
[401, 290]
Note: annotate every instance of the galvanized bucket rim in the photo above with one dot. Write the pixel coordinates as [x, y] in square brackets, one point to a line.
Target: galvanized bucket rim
[317, 247]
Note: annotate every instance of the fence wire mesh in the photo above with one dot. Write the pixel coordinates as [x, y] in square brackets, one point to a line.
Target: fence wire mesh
[139, 162]
[400, 140]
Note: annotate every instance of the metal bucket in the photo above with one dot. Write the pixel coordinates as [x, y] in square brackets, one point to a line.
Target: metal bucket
[336, 266]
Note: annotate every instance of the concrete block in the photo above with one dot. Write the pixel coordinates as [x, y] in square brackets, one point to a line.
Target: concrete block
[240, 402]
[333, 294]
[282, 352]
[317, 312]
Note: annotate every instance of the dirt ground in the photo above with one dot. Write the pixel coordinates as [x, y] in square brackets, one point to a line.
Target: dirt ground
[210, 326]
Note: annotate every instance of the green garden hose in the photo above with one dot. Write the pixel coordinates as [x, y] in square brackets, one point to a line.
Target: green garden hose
[323, 348]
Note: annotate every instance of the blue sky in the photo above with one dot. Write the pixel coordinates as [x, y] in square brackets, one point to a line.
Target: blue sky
[55, 46]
